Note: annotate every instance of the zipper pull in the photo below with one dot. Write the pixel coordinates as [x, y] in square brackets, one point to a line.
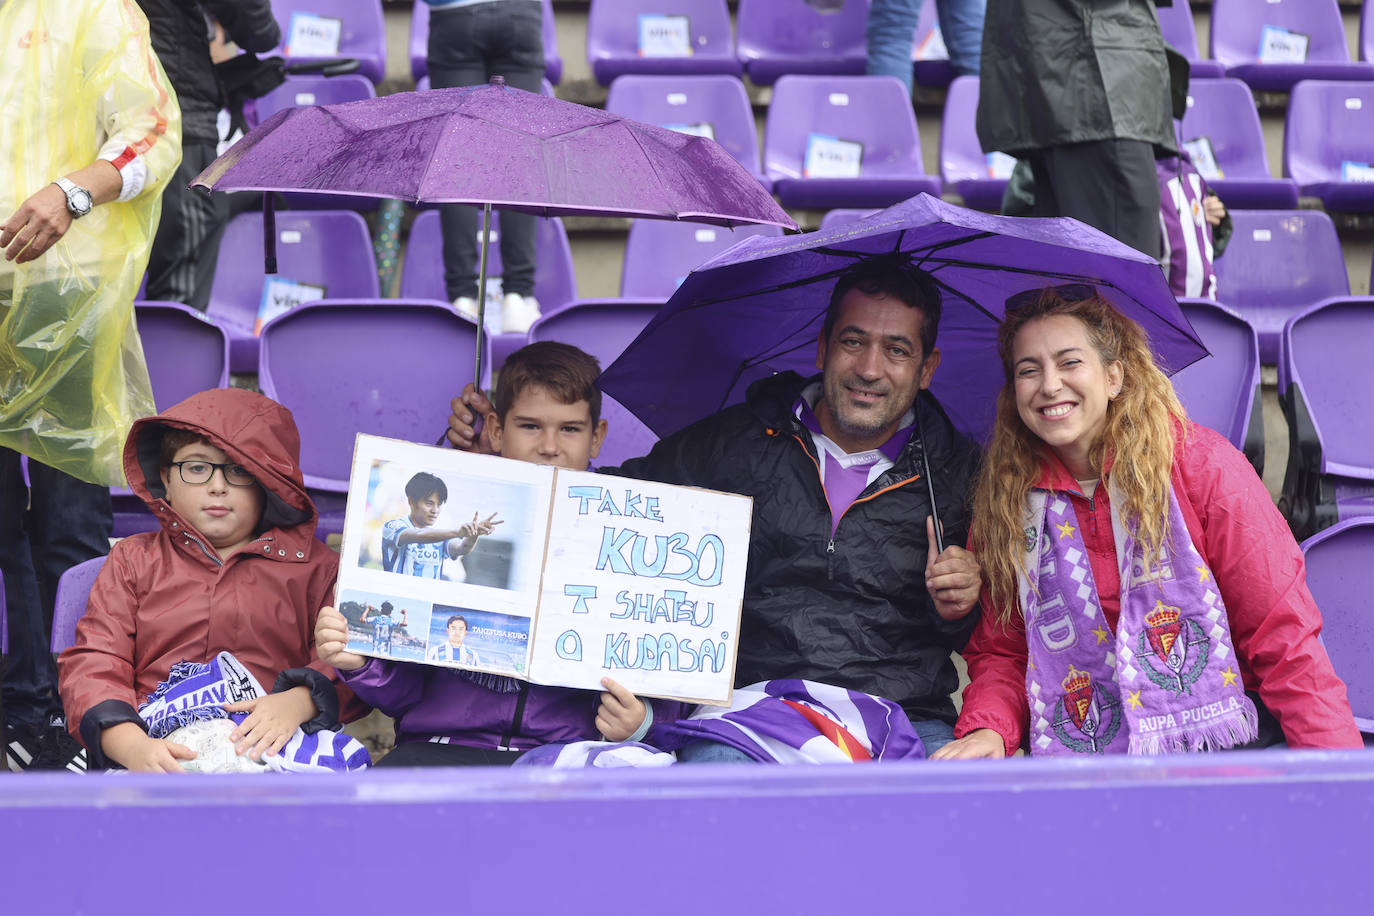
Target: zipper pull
[830, 548]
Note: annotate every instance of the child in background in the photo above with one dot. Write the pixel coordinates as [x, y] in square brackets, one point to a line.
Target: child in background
[412, 546]
[235, 567]
[547, 411]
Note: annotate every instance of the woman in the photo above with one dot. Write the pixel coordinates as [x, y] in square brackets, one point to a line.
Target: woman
[1095, 475]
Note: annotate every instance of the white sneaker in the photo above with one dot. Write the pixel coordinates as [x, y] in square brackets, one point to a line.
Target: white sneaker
[466, 306]
[518, 313]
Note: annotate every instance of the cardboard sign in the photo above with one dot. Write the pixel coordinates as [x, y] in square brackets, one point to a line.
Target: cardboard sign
[1204, 158]
[281, 294]
[573, 576]
[665, 36]
[700, 129]
[1280, 46]
[312, 36]
[1000, 165]
[1356, 171]
[831, 157]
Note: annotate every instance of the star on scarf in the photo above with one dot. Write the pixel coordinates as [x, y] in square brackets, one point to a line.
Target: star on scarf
[1203, 573]
[1101, 634]
[1065, 530]
[1228, 676]
[1134, 699]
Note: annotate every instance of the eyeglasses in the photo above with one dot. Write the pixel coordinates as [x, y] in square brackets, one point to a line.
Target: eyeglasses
[1069, 292]
[198, 472]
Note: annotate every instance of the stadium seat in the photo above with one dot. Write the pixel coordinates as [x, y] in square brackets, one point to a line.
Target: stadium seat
[323, 248]
[419, 43]
[360, 32]
[73, 590]
[1342, 579]
[843, 141]
[300, 91]
[777, 37]
[604, 328]
[715, 106]
[1366, 40]
[660, 253]
[1328, 143]
[842, 215]
[1325, 381]
[1279, 262]
[659, 36]
[422, 273]
[1275, 43]
[930, 57]
[1176, 23]
[382, 366]
[1222, 391]
[1222, 111]
[963, 164]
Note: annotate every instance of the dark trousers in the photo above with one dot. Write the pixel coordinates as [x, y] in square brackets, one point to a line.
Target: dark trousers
[427, 754]
[46, 527]
[181, 265]
[468, 46]
[1108, 184]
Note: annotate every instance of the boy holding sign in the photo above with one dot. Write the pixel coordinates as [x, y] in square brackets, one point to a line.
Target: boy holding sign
[547, 411]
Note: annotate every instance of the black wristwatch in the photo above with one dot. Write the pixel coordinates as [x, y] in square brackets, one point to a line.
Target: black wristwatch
[78, 198]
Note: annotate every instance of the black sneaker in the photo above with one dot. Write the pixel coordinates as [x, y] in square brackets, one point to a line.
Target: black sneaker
[23, 746]
[58, 750]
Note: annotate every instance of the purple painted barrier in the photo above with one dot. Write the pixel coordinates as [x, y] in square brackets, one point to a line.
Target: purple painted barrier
[1259, 832]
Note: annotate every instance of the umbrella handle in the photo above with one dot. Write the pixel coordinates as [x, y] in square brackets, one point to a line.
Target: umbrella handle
[482, 296]
[930, 482]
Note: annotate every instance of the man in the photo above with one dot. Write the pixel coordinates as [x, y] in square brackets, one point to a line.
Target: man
[92, 133]
[843, 585]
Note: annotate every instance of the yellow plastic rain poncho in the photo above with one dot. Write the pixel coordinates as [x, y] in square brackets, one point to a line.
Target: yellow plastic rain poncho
[78, 79]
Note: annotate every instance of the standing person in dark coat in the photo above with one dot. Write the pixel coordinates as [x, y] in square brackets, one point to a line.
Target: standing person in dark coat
[1080, 89]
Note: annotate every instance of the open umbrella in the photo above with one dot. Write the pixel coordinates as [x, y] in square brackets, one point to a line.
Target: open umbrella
[498, 147]
[757, 308]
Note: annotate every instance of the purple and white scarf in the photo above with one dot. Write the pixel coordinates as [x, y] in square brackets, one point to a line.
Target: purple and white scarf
[1167, 681]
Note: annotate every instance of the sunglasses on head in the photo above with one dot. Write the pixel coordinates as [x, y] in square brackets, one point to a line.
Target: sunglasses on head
[1069, 292]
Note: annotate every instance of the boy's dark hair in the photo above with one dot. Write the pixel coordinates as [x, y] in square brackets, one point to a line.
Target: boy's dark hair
[386, 608]
[423, 484]
[457, 617]
[173, 441]
[896, 277]
[564, 371]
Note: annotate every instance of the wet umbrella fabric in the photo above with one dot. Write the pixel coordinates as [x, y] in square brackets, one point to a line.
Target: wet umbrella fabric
[757, 308]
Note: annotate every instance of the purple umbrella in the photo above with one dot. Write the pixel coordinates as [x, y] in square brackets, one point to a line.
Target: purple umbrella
[495, 146]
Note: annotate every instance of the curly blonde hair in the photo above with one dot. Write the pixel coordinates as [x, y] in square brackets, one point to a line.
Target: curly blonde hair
[1139, 433]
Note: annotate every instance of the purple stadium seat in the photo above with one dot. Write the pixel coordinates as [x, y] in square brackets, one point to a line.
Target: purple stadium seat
[842, 216]
[1223, 111]
[325, 248]
[1222, 391]
[545, 88]
[1277, 263]
[1328, 144]
[660, 253]
[842, 119]
[1342, 579]
[382, 366]
[73, 589]
[604, 328]
[963, 164]
[688, 36]
[422, 274]
[1367, 32]
[1176, 23]
[361, 32]
[1238, 30]
[715, 105]
[419, 43]
[930, 58]
[1325, 381]
[793, 36]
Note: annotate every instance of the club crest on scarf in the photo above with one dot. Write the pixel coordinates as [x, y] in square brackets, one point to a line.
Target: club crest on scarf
[1094, 714]
[1178, 645]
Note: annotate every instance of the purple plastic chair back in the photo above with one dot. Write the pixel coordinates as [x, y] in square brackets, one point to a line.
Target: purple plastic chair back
[362, 33]
[930, 60]
[1277, 263]
[326, 248]
[1342, 579]
[871, 111]
[419, 43]
[1223, 111]
[299, 91]
[1367, 32]
[963, 163]
[383, 366]
[613, 38]
[1222, 391]
[1326, 354]
[693, 103]
[604, 328]
[1176, 24]
[659, 254]
[842, 216]
[794, 36]
[186, 352]
[73, 590]
[1329, 133]
[1238, 27]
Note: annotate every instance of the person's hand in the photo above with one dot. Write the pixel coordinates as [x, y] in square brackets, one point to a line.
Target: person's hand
[1213, 210]
[134, 749]
[476, 529]
[36, 226]
[979, 744]
[466, 409]
[953, 577]
[271, 722]
[620, 713]
[331, 641]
